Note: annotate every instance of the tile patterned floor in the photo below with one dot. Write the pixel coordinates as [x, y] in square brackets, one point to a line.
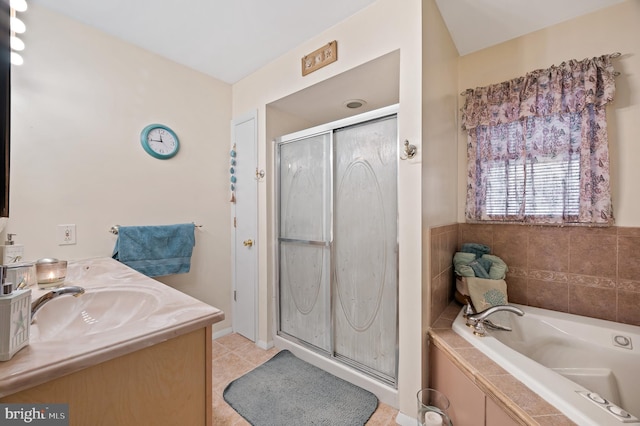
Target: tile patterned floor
[233, 356]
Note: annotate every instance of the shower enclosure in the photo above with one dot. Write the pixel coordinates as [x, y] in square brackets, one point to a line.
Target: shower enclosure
[337, 254]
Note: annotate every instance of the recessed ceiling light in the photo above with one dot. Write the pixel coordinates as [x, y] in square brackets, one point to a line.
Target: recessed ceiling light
[354, 103]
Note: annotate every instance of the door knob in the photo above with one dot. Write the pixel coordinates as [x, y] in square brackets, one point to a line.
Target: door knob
[247, 243]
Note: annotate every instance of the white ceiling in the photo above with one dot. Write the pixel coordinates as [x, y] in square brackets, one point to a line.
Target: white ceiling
[227, 39]
[230, 39]
[477, 24]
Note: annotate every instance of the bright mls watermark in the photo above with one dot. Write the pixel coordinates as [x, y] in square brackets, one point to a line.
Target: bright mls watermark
[34, 414]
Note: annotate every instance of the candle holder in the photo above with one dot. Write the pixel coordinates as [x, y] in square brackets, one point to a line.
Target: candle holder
[51, 272]
[432, 408]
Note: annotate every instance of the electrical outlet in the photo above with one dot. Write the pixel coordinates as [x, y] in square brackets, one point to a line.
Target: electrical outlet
[66, 234]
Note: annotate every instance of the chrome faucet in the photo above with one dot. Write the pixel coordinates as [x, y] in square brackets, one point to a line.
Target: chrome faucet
[75, 291]
[478, 320]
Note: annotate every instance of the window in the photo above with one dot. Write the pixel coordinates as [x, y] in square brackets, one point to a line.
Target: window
[547, 184]
[537, 153]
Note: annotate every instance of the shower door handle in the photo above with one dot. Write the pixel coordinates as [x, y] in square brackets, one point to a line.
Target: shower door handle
[247, 243]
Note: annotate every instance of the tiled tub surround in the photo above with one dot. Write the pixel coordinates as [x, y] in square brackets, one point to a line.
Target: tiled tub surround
[444, 244]
[594, 272]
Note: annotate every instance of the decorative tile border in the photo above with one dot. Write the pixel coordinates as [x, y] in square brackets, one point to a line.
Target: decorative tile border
[517, 272]
[589, 281]
[558, 277]
[629, 285]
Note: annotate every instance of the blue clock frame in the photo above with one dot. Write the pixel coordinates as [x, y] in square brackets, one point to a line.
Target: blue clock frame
[144, 140]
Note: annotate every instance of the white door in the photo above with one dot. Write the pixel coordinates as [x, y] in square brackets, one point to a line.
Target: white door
[245, 224]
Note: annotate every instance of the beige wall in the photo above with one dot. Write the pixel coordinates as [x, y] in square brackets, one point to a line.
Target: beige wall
[439, 135]
[383, 27]
[439, 112]
[614, 29]
[79, 103]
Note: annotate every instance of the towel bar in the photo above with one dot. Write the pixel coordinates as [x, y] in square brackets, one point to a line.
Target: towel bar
[114, 229]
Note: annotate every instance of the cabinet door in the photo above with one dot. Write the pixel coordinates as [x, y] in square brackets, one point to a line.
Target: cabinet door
[467, 400]
[496, 415]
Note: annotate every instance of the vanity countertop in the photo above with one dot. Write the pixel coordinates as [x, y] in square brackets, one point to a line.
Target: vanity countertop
[173, 314]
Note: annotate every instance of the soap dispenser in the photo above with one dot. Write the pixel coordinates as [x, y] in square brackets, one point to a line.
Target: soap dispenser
[15, 317]
[11, 252]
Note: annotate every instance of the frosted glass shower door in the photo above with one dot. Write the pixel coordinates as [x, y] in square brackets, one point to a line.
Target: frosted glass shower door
[365, 246]
[304, 237]
[337, 259]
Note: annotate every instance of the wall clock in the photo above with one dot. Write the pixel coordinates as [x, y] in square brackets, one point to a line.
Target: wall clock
[159, 141]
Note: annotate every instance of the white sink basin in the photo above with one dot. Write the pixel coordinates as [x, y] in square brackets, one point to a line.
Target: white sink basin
[98, 310]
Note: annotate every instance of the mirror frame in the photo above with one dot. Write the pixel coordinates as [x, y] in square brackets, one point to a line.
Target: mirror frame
[5, 107]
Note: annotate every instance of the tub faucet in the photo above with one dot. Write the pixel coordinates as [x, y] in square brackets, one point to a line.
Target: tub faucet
[479, 320]
[75, 291]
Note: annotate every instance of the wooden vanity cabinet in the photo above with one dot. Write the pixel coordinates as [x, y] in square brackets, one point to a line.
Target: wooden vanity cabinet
[168, 383]
[469, 405]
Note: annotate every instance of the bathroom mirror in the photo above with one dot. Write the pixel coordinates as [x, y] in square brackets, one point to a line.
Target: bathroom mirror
[5, 111]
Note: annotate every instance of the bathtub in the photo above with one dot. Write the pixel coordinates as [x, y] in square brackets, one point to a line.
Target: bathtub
[583, 366]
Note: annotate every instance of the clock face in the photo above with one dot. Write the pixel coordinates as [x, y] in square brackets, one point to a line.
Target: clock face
[160, 141]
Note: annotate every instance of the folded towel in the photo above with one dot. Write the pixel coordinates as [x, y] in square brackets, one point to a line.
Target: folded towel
[486, 293]
[461, 264]
[497, 269]
[480, 268]
[475, 248]
[156, 250]
[466, 264]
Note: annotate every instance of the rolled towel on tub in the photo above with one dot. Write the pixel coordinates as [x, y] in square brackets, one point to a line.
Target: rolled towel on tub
[156, 250]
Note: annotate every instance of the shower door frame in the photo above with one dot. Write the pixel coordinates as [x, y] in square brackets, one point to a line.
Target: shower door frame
[330, 128]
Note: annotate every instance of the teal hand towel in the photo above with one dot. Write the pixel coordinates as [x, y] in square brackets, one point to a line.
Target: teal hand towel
[156, 250]
[475, 248]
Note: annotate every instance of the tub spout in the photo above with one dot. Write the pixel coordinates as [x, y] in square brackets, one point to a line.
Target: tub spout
[479, 320]
[480, 316]
[75, 291]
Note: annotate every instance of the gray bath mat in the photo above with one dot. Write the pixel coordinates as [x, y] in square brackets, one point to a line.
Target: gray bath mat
[288, 391]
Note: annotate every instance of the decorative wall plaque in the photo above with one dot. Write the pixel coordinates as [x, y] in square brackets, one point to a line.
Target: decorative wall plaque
[320, 58]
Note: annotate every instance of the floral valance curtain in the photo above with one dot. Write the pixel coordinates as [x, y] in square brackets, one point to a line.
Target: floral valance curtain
[564, 88]
[517, 126]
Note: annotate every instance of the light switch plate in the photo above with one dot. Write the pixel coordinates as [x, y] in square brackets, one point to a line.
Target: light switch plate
[66, 234]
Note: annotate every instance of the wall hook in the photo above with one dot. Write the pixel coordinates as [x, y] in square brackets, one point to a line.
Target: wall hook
[410, 151]
[259, 174]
